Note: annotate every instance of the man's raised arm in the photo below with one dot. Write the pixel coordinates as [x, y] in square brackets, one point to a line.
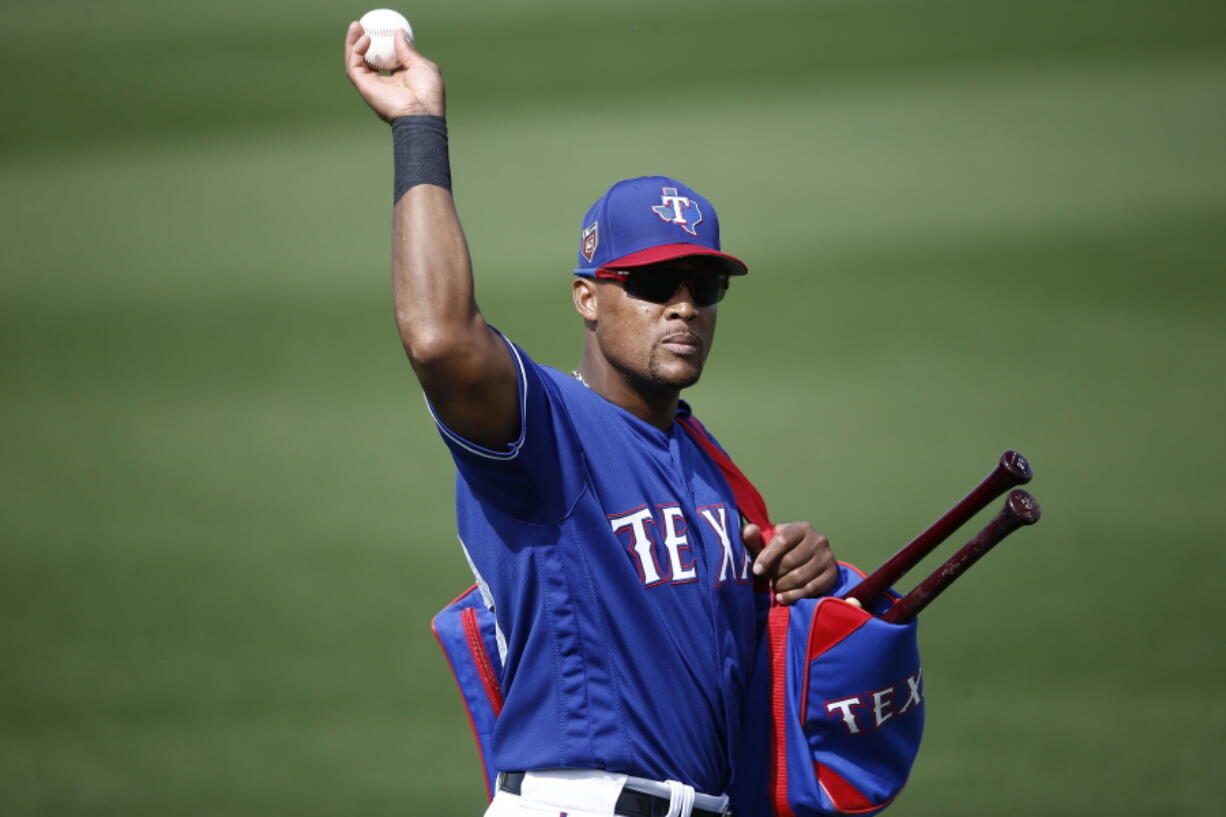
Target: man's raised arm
[464, 368]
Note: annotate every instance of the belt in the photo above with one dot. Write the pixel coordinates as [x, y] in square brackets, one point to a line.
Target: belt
[630, 803]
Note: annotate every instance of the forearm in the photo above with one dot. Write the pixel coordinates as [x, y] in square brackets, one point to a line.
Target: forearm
[432, 280]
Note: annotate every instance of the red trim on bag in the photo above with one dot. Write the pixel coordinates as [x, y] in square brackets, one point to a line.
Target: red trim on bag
[472, 588]
[457, 599]
[833, 620]
[777, 633]
[846, 797]
[476, 646]
[753, 507]
[854, 569]
[750, 502]
[472, 724]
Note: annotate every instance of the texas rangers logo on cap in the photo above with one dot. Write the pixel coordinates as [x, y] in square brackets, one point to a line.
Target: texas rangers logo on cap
[591, 239]
[679, 210]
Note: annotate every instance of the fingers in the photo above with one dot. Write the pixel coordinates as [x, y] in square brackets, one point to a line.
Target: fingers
[751, 535]
[356, 45]
[767, 561]
[409, 57]
[405, 52]
[799, 561]
[805, 583]
[352, 35]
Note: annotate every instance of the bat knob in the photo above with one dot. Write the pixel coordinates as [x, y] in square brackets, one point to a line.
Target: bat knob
[1017, 467]
[1023, 507]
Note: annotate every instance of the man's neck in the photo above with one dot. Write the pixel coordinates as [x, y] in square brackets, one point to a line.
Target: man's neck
[655, 406]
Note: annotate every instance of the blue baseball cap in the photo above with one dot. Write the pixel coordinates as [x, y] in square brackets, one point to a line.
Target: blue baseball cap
[648, 220]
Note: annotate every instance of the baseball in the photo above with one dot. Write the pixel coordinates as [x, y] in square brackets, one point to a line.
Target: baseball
[383, 25]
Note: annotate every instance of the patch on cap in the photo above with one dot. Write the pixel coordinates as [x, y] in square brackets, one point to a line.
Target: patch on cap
[591, 240]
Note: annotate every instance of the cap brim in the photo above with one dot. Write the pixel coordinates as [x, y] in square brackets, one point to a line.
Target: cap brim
[670, 252]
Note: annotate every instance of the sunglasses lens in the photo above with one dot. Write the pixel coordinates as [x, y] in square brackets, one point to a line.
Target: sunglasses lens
[709, 289]
[655, 288]
[659, 287]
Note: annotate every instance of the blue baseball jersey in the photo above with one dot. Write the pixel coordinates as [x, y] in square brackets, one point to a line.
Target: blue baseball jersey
[611, 554]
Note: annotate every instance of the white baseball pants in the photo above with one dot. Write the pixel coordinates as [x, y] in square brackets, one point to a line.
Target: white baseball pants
[583, 793]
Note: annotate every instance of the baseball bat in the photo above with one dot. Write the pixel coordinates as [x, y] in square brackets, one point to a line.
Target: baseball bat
[1012, 470]
[1020, 509]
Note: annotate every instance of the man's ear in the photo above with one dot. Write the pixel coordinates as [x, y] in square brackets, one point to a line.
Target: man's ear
[585, 293]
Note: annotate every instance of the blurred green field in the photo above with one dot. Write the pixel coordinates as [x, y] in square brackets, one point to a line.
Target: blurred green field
[971, 226]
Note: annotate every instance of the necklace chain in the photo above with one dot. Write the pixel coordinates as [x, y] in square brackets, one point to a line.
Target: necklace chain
[575, 374]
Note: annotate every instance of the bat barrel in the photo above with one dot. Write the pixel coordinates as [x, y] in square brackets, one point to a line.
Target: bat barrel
[1011, 470]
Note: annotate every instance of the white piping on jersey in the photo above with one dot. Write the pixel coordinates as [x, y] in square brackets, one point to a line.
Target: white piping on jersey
[523, 417]
[487, 598]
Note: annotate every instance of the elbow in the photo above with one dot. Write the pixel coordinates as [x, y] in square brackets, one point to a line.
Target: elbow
[429, 349]
[439, 348]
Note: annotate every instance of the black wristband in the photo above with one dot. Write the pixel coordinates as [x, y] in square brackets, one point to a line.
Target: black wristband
[419, 144]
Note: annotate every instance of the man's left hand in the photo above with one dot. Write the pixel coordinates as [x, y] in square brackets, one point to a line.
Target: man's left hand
[798, 560]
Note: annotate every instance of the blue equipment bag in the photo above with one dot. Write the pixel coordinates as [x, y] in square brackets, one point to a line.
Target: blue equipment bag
[844, 693]
[465, 630]
[835, 711]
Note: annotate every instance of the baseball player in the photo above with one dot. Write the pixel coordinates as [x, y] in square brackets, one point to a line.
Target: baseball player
[605, 539]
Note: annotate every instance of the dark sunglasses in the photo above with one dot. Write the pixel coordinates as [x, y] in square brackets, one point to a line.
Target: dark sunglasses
[658, 286]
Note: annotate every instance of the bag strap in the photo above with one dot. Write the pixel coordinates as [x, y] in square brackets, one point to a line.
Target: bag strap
[748, 499]
[751, 504]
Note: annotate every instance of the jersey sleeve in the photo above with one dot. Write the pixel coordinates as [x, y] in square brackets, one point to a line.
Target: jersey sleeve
[537, 476]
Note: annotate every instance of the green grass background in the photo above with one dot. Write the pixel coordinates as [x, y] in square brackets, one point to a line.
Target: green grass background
[226, 518]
